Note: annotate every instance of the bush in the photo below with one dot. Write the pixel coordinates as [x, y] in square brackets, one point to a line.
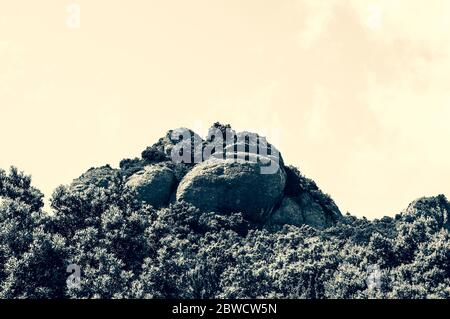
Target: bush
[127, 249]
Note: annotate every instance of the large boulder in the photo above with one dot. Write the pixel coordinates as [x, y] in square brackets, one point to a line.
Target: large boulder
[153, 184]
[234, 185]
[304, 203]
[289, 212]
[303, 209]
[314, 213]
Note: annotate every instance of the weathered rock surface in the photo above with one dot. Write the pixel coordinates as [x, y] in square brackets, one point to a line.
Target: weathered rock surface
[228, 185]
[312, 211]
[177, 139]
[242, 144]
[153, 184]
[302, 195]
[303, 209]
[288, 213]
[95, 177]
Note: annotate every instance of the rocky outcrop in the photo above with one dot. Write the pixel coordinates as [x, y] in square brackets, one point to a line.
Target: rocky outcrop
[240, 172]
[223, 142]
[289, 212]
[228, 185]
[153, 184]
[436, 208]
[252, 143]
[227, 172]
[101, 177]
[303, 209]
[174, 140]
[315, 208]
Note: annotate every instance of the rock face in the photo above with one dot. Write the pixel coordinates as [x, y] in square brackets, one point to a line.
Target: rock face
[240, 144]
[436, 208]
[318, 211]
[95, 177]
[153, 184]
[177, 138]
[229, 185]
[304, 203]
[288, 213]
[253, 143]
[303, 209]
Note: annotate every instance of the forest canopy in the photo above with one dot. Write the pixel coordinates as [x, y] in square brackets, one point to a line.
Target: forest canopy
[128, 249]
[155, 228]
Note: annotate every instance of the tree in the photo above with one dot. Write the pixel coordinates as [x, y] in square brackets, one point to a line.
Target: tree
[127, 249]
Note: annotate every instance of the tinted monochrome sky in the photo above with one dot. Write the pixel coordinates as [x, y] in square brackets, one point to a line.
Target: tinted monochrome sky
[354, 93]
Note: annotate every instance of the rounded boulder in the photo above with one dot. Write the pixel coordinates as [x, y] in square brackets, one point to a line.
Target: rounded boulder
[153, 184]
[234, 185]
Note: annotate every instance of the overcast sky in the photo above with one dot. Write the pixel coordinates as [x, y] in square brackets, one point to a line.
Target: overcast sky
[354, 93]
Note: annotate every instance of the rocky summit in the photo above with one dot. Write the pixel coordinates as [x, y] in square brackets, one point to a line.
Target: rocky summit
[436, 209]
[228, 172]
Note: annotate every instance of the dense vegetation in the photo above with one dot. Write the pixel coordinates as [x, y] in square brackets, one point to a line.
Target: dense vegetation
[127, 249]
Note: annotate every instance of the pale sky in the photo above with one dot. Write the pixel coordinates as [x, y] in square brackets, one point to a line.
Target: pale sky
[354, 93]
